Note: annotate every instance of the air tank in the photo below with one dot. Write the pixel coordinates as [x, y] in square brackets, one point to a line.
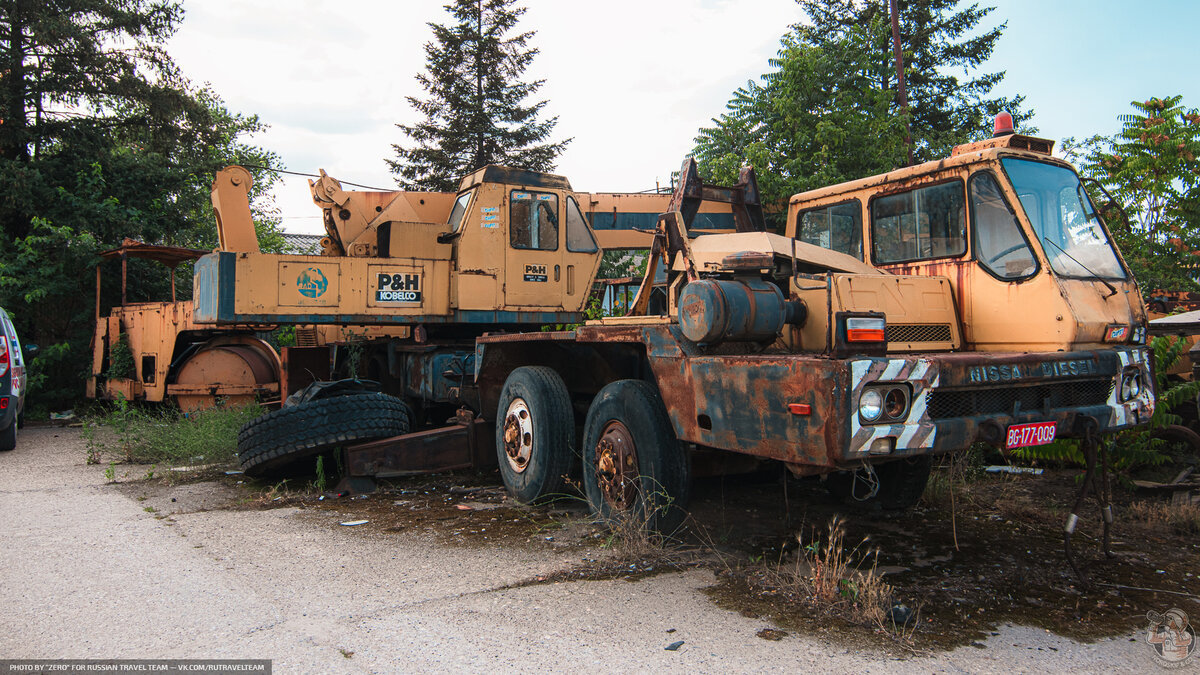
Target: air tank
[712, 311]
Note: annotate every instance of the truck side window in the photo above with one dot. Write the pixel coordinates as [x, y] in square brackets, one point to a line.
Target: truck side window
[999, 244]
[579, 239]
[921, 224]
[459, 210]
[533, 220]
[837, 227]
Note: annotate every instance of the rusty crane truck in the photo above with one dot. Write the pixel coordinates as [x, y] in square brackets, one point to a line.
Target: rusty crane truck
[977, 298]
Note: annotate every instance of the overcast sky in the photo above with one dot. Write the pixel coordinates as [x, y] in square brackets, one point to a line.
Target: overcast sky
[631, 81]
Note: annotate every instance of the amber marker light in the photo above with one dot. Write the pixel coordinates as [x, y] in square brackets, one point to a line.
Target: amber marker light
[864, 329]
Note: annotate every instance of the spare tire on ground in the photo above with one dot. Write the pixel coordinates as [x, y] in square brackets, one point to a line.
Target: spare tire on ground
[279, 438]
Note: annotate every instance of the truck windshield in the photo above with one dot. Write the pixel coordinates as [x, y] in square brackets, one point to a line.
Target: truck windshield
[1063, 219]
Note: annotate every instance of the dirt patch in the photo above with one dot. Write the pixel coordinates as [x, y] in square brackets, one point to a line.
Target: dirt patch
[1008, 565]
[207, 493]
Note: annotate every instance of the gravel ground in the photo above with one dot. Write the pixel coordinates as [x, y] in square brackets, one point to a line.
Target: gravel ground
[88, 572]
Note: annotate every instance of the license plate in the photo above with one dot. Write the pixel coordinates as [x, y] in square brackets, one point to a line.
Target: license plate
[1028, 435]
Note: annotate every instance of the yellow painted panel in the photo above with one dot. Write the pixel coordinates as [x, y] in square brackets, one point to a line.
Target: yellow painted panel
[479, 289]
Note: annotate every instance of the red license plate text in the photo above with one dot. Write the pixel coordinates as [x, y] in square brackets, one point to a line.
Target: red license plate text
[1027, 435]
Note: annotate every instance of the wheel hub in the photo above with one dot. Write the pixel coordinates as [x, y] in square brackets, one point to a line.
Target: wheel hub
[616, 466]
[518, 435]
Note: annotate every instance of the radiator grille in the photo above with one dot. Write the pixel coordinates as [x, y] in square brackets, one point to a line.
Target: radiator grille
[306, 337]
[945, 404]
[917, 332]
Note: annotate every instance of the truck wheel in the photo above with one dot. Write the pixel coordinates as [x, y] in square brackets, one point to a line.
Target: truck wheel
[901, 484]
[535, 427]
[303, 430]
[634, 469]
[8, 436]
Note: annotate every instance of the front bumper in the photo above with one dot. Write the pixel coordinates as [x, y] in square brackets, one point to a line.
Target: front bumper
[958, 399]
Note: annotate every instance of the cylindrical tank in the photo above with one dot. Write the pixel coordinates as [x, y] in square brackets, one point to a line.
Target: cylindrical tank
[747, 310]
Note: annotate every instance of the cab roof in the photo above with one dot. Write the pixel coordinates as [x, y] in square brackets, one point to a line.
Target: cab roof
[494, 173]
[1012, 145]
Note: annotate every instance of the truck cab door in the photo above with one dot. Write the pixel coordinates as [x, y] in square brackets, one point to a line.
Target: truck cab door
[534, 274]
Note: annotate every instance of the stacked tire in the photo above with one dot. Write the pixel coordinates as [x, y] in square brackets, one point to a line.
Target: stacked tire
[273, 441]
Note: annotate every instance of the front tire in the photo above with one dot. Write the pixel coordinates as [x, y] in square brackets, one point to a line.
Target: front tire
[633, 466]
[535, 430]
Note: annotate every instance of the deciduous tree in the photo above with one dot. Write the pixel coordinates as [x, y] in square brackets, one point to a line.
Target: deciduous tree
[101, 138]
[1151, 169]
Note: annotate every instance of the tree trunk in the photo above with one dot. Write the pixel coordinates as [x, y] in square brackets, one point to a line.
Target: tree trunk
[14, 130]
[480, 135]
[903, 96]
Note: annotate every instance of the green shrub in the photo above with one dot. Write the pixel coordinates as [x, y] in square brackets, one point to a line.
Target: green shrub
[166, 436]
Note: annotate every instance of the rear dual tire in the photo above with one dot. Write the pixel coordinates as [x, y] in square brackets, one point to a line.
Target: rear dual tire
[635, 472]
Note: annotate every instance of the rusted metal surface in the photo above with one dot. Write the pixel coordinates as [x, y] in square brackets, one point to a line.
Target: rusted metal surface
[543, 336]
[465, 444]
[518, 435]
[302, 366]
[801, 408]
[231, 370]
[171, 256]
[617, 466]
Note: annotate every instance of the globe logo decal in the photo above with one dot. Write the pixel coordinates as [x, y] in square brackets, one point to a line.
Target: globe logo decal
[312, 283]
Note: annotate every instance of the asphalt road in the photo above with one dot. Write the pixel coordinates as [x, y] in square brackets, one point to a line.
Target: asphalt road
[87, 572]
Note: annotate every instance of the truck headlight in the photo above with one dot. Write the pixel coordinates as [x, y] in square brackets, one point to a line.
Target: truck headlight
[870, 405]
[884, 403]
[1131, 386]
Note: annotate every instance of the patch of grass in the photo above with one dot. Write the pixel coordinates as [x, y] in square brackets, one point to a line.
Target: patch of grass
[952, 478]
[165, 436]
[1176, 518]
[835, 578]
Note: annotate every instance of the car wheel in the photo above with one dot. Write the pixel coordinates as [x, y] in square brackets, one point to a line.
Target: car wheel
[8, 436]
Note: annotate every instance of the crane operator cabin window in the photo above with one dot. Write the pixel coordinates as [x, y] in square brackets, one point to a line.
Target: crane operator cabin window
[533, 220]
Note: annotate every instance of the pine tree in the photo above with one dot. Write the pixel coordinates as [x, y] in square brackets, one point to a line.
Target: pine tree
[828, 112]
[475, 113]
[946, 109]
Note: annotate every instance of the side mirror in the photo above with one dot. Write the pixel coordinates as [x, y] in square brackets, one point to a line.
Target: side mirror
[30, 350]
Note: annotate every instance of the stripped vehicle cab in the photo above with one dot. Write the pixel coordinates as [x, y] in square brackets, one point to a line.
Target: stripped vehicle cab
[1033, 272]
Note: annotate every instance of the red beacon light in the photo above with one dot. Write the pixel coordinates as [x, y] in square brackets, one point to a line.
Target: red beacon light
[1003, 125]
